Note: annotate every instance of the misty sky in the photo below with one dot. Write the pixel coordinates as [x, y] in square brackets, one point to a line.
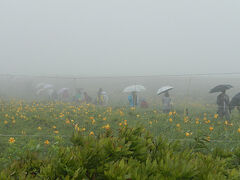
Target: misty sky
[119, 37]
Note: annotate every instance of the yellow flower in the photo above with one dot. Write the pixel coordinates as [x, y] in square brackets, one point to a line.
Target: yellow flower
[174, 112]
[205, 114]
[107, 127]
[215, 116]
[93, 121]
[92, 118]
[13, 121]
[11, 140]
[83, 129]
[120, 124]
[67, 122]
[178, 125]
[211, 128]
[150, 122]
[54, 127]
[197, 122]
[239, 130]
[208, 138]
[46, 142]
[5, 122]
[170, 113]
[187, 134]
[205, 118]
[170, 120]
[56, 132]
[125, 123]
[104, 118]
[121, 113]
[39, 128]
[91, 133]
[226, 122]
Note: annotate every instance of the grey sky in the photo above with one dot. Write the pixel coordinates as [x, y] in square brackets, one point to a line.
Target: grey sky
[119, 37]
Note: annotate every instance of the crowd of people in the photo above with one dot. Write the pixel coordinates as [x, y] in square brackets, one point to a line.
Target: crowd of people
[225, 106]
[65, 94]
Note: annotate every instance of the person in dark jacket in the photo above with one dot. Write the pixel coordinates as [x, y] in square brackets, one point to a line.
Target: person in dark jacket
[86, 98]
[223, 105]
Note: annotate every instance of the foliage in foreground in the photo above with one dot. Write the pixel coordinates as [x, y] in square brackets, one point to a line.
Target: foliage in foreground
[133, 154]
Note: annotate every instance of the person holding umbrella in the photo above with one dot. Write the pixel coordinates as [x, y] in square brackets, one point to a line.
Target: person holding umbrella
[64, 94]
[130, 100]
[133, 97]
[222, 101]
[166, 100]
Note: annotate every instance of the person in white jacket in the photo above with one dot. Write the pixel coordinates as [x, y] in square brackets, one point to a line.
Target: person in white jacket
[166, 101]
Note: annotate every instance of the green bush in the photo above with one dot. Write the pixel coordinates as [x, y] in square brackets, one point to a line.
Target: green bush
[133, 154]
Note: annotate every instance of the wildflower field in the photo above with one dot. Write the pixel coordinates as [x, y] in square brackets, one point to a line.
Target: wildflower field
[50, 140]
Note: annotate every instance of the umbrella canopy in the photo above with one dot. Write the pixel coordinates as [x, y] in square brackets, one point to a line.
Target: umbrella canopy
[235, 101]
[104, 93]
[40, 91]
[40, 85]
[61, 91]
[134, 88]
[164, 89]
[48, 86]
[221, 88]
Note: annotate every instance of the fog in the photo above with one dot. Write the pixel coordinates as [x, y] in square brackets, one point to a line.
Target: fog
[115, 38]
[113, 44]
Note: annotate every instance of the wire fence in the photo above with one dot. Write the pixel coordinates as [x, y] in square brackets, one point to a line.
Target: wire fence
[186, 86]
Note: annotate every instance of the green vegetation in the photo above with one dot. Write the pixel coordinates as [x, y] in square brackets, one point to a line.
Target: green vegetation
[70, 141]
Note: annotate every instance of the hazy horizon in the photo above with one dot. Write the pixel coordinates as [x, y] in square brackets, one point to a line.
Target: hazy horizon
[112, 38]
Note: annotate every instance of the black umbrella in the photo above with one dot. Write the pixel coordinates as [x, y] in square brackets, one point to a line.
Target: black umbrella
[221, 88]
[235, 101]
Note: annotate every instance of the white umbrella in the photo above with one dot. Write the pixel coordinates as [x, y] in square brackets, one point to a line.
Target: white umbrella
[63, 90]
[40, 85]
[48, 86]
[104, 93]
[164, 89]
[134, 88]
[40, 91]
